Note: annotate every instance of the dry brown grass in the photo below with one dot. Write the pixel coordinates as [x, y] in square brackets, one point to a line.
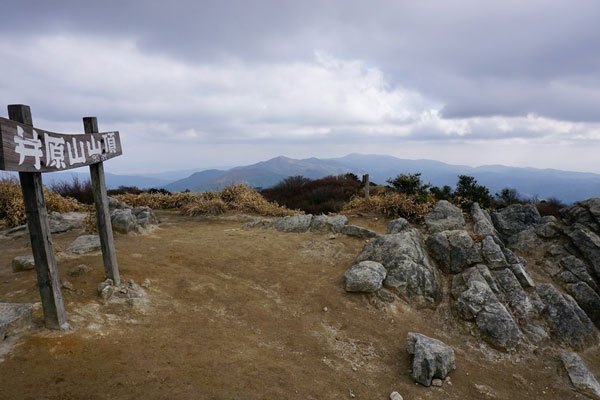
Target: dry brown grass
[391, 205]
[238, 198]
[12, 209]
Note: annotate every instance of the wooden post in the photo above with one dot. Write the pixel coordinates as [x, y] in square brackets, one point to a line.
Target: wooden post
[367, 185]
[109, 255]
[55, 316]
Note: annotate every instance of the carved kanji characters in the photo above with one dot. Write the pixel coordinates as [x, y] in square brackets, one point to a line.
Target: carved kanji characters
[28, 147]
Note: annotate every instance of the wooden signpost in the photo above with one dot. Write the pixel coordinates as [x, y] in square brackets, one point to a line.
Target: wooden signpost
[32, 151]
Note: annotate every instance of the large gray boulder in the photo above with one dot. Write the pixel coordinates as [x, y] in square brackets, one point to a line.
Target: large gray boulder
[14, 318]
[453, 250]
[126, 219]
[85, 244]
[588, 243]
[411, 273]
[515, 218]
[569, 323]
[293, 223]
[548, 228]
[123, 220]
[587, 299]
[574, 270]
[324, 223]
[22, 263]
[581, 377]
[444, 217]
[417, 283]
[57, 223]
[524, 241]
[476, 301]
[144, 216]
[431, 358]
[366, 276]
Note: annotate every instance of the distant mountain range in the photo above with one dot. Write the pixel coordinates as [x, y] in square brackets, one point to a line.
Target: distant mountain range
[529, 182]
[544, 183]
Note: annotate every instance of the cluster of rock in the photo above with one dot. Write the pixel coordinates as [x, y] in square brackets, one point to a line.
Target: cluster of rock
[129, 293]
[310, 223]
[490, 287]
[126, 219]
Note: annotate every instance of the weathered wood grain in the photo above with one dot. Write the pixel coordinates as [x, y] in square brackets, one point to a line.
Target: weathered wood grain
[41, 242]
[104, 224]
[28, 149]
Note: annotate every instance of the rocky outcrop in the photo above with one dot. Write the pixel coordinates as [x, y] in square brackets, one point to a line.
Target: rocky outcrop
[366, 276]
[411, 273]
[569, 323]
[588, 243]
[585, 212]
[475, 293]
[581, 377]
[126, 219]
[515, 218]
[431, 358]
[397, 225]
[444, 217]
[453, 250]
[492, 253]
[482, 223]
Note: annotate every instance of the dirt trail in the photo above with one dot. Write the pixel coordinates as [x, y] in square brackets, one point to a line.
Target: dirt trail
[239, 314]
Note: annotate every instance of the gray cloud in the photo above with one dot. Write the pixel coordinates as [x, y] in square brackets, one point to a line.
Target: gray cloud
[294, 75]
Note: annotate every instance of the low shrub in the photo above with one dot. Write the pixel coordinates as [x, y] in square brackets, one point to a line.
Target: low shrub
[239, 198]
[80, 190]
[319, 196]
[550, 206]
[392, 205]
[12, 208]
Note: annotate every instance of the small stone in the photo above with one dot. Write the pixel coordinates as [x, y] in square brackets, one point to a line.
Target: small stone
[107, 292]
[146, 283]
[22, 263]
[351, 393]
[436, 382]
[68, 285]
[395, 396]
[354, 369]
[325, 309]
[447, 381]
[331, 236]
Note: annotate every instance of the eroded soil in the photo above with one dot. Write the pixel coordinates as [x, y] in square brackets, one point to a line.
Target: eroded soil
[240, 314]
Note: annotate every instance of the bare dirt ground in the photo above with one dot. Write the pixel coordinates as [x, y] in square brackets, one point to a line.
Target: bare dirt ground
[240, 314]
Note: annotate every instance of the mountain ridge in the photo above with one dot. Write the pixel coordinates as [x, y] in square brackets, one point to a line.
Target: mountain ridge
[568, 186]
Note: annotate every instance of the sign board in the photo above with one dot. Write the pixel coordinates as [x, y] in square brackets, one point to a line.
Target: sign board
[27, 149]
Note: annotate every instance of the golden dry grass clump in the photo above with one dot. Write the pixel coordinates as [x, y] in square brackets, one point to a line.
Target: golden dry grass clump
[238, 198]
[391, 205]
[12, 209]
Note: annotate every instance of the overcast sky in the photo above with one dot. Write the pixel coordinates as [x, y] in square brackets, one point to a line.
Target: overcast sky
[193, 84]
